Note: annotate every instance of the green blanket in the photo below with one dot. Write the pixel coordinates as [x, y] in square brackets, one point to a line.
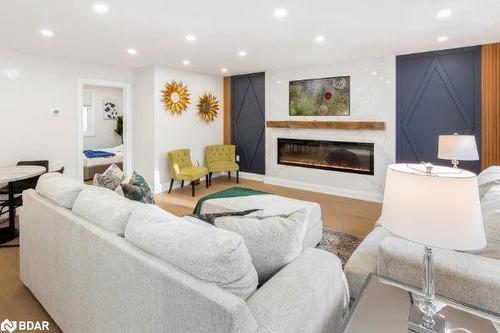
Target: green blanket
[227, 193]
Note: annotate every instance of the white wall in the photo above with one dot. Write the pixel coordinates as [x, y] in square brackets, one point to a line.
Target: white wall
[371, 99]
[158, 131]
[144, 136]
[186, 130]
[104, 129]
[29, 87]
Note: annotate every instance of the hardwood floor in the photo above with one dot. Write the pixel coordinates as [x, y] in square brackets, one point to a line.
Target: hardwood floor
[344, 214]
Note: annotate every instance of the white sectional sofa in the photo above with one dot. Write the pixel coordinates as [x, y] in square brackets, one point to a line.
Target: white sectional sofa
[471, 278]
[100, 263]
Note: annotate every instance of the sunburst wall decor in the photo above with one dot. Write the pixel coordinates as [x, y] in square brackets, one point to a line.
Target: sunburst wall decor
[208, 107]
[175, 97]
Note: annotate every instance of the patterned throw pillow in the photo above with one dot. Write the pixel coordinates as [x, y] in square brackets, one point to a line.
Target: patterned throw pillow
[110, 179]
[137, 189]
[210, 217]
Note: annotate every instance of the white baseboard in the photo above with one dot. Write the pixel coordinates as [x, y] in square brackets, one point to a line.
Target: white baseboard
[177, 183]
[339, 191]
[252, 176]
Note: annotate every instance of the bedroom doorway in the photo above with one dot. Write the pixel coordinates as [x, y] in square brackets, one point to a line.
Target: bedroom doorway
[104, 127]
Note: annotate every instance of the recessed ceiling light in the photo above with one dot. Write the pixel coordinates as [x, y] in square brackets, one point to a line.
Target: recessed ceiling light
[442, 39]
[319, 38]
[100, 8]
[373, 73]
[387, 81]
[443, 13]
[278, 82]
[280, 12]
[46, 33]
[242, 53]
[223, 70]
[132, 51]
[190, 37]
[186, 62]
[381, 78]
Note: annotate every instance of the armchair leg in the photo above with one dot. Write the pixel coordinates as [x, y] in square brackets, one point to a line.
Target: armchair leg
[229, 174]
[193, 183]
[237, 176]
[206, 180]
[182, 183]
[210, 178]
[171, 184]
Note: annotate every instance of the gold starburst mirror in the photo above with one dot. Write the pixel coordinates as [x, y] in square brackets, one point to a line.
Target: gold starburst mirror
[208, 107]
[175, 97]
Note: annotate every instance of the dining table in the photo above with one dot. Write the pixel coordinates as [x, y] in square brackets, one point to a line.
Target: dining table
[10, 175]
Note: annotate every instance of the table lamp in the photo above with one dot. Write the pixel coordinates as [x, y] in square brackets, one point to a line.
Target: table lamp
[437, 207]
[457, 148]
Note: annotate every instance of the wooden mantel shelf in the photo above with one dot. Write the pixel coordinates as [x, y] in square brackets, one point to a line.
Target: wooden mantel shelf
[345, 125]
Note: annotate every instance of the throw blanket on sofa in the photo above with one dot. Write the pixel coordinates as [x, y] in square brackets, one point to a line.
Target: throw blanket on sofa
[97, 153]
[227, 193]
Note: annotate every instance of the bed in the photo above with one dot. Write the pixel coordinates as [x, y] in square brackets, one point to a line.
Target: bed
[94, 165]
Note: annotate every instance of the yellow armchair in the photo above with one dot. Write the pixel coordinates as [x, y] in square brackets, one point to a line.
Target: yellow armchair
[222, 158]
[181, 168]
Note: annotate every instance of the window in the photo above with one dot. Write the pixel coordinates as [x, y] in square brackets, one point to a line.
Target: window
[88, 110]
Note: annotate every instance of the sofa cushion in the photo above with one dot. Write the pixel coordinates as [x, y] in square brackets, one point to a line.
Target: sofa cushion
[490, 204]
[110, 179]
[211, 254]
[104, 208]
[137, 189]
[363, 260]
[488, 178]
[220, 166]
[272, 241]
[58, 188]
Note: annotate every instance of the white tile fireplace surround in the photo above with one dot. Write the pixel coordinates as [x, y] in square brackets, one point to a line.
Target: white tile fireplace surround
[373, 97]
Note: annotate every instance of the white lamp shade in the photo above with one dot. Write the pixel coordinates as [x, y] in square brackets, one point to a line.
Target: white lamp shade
[437, 210]
[458, 147]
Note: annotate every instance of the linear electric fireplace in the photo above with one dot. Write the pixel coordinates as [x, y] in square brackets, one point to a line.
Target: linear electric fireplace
[353, 157]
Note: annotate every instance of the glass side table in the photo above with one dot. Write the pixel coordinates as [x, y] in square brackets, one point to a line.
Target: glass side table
[384, 307]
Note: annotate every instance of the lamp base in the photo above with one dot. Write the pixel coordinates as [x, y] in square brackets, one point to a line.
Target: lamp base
[415, 322]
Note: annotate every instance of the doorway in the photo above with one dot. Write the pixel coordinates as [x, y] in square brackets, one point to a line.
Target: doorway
[104, 122]
[249, 121]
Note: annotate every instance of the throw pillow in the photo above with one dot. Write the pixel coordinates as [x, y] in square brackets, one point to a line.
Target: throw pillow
[211, 254]
[210, 218]
[137, 189]
[490, 204]
[110, 179]
[272, 241]
[487, 179]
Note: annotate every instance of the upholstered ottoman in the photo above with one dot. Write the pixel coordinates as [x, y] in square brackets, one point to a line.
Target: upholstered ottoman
[271, 205]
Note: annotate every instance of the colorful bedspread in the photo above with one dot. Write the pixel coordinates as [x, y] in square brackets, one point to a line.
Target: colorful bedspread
[97, 153]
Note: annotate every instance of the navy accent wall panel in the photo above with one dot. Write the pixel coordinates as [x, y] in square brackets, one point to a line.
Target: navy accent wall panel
[249, 121]
[437, 93]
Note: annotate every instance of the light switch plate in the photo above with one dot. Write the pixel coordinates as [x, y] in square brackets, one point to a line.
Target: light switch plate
[55, 112]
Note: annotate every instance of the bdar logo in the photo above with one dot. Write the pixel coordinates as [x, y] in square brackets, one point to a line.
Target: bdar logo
[8, 326]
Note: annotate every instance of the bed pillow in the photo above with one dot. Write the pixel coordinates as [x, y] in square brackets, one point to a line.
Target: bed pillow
[487, 179]
[213, 255]
[110, 179]
[272, 241]
[137, 189]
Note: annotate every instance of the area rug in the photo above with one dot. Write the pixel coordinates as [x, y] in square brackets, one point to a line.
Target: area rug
[339, 243]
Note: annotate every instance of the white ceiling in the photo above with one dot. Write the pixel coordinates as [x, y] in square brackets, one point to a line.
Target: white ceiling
[156, 28]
